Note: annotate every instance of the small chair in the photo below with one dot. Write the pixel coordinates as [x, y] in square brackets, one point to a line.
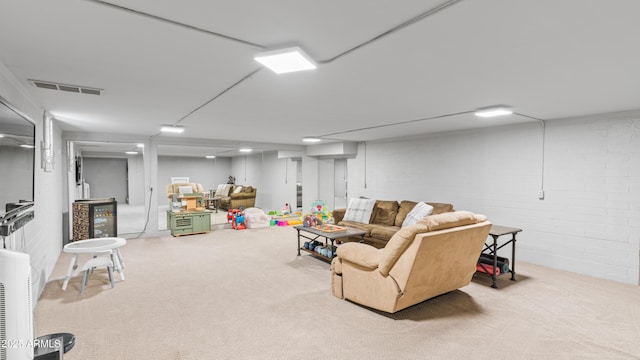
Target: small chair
[93, 263]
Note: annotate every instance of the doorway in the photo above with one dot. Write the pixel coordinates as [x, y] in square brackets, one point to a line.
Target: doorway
[107, 178]
[340, 183]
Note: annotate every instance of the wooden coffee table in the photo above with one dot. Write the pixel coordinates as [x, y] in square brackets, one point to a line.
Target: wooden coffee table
[313, 234]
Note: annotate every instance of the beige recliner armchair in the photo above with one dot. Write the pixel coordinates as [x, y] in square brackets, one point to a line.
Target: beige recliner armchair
[435, 256]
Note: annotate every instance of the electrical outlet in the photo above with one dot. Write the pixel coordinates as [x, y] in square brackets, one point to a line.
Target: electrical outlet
[541, 194]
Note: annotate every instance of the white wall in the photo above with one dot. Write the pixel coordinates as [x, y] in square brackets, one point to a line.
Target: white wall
[43, 235]
[310, 180]
[136, 180]
[107, 177]
[326, 183]
[589, 221]
[273, 178]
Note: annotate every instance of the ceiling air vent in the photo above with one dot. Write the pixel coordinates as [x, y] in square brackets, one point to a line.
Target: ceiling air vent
[66, 87]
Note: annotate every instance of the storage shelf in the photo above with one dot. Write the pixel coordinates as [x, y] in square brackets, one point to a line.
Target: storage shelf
[318, 255]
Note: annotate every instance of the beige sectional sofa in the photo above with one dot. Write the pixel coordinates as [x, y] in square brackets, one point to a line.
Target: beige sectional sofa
[421, 261]
[386, 220]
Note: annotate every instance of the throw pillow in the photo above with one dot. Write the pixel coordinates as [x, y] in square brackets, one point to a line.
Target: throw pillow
[359, 210]
[405, 207]
[418, 212]
[384, 212]
[219, 190]
[185, 189]
[237, 189]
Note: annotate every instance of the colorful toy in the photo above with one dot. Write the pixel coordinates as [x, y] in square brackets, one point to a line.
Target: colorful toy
[320, 212]
[309, 221]
[238, 221]
[319, 206]
[286, 209]
[231, 213]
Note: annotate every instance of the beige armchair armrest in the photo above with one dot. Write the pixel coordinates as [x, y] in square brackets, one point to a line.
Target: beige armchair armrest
[361, 254]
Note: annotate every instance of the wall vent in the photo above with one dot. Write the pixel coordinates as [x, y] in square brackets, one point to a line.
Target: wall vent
[66, 87]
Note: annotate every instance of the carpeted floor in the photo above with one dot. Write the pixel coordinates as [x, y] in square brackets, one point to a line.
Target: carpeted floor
[246, 295]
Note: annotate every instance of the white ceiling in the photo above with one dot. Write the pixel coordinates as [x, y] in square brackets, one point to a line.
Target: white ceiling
[547, 59]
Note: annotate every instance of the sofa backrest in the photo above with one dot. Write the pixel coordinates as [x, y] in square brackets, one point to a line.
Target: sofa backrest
[401, 240]
[248, 190]
[406, 206]
[175, 188]
[439, 261]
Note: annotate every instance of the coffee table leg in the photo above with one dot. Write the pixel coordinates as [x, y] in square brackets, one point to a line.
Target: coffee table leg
[298, 241]
[72, 264]
[495, 261]
[513, 258]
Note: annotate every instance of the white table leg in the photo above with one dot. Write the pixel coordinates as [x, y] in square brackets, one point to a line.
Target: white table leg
[120, 258]
[70, 269]
[118, 263]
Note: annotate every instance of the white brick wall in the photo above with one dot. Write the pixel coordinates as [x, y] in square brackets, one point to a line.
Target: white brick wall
[589, 221]
[43, 235]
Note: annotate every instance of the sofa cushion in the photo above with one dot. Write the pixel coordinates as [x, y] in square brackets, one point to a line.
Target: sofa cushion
[359, 210]
[384, 212]
[451, 219]
[185, 189]
[359, 226]
[419, 212]
[405, 207]
[384, 232]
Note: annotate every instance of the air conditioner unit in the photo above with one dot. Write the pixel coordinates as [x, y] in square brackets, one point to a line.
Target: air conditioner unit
[16, 312]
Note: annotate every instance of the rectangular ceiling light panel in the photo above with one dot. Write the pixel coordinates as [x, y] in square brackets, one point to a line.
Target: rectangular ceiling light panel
[493, 111]
[286, 60]
[172, 129]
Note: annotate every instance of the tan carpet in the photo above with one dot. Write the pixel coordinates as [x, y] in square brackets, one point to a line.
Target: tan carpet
[246, 295]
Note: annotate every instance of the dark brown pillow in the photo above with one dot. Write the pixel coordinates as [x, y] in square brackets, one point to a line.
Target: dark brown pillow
[384, 212]
[439, 208]
[405, 207]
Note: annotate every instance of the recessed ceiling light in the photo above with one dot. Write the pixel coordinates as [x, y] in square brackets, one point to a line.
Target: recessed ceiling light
[245, 150]
[1, 135]
[310, 139]
[210, 156]
[172, 129]
[131, 152]
[286, 60]
[493, 111]
[140, 145]
[27, 146]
